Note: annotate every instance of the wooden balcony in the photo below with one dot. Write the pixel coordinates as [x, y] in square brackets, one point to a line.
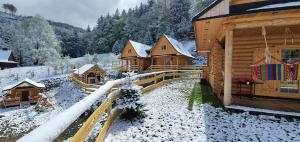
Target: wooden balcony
[134, 68]
[173, 67]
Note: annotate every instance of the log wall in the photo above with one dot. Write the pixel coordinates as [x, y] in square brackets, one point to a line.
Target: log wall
[249, 50]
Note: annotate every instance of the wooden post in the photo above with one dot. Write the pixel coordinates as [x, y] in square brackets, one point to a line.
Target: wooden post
[228, 66]
[177, 62]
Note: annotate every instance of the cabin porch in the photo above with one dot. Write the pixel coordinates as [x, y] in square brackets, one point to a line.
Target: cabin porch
[134, 64]
[243, 46]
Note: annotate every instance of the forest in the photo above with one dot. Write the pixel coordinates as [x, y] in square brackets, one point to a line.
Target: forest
[37, 41]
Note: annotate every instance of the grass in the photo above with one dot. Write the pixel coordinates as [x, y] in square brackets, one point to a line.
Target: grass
[202, 94]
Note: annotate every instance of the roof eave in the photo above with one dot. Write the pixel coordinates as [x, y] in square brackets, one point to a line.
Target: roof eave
[248, 12]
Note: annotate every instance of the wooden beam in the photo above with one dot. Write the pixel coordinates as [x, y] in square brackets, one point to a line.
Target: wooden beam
[228, 66]
[275, 22]
[236, 2]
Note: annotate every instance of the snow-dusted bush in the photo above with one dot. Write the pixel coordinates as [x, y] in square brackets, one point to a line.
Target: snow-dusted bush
[130, 101]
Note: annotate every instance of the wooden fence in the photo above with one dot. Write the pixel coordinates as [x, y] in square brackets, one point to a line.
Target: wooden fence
[86, 87]
[58, 124]
[148, 82]
[173, 67]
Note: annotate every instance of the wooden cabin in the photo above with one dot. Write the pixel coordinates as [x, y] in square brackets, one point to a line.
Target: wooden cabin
[90, 74]
[169, 53]
[251, 42]
[136, 56]
[26, 91]
[7, 59]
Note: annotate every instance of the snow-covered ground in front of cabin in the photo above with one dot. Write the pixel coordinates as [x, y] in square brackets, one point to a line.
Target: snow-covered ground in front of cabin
[168, 119]
[18, 120]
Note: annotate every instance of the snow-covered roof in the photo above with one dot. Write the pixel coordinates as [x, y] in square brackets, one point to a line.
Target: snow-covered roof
[4, 56]
[21, 83]
[141, 49]
[278, 5]
[179, 47]
[84, 68]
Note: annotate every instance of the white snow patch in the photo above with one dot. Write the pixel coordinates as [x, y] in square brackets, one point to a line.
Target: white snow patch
[168, 119]
[141, 49]
[31, 82]
[84, 68]
[179, 47]
[281, 5]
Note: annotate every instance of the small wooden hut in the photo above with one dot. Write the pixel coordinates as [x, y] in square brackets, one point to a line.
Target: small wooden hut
[136, 56]
[169, 53]
[251, 43]
[90, 74]
[7, 59]
[26, 91]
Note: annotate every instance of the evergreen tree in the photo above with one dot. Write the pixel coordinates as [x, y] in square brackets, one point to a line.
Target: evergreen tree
[179, 13]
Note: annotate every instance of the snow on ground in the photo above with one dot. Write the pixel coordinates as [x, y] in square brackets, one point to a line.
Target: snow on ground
[18, 120]
[36, 73]
[168, 119]
[105, 60]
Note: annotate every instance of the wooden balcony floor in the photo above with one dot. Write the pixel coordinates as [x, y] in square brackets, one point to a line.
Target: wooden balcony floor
[287, 105]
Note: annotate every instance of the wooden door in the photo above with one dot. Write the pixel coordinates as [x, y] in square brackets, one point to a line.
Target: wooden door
[25, 96]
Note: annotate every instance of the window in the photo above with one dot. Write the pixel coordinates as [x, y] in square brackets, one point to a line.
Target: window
[164, 47]
[290, 56]
[129, 51]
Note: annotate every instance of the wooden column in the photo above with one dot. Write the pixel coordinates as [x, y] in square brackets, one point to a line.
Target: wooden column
[177, 62]
[228, 66]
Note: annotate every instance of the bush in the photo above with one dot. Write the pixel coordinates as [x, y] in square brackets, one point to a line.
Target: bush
[131, 104]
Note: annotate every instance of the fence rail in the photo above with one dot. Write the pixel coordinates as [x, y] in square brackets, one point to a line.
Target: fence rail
[174, 67]
[149, 81]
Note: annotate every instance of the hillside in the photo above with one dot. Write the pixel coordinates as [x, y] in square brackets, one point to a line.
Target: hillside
[64, 33]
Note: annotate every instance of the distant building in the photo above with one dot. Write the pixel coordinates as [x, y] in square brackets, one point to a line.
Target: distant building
[136, 56]
[90, 74]
[7, 59]
[26, 91]
[169, 53]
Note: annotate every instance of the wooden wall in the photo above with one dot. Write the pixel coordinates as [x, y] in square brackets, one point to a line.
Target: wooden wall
[97, 71]
[216, 68]
[162, 60]
[221, 9]
[247, 50]
[156, 50]
[125, 53]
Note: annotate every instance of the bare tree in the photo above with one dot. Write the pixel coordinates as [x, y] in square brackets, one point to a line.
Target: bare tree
[9, 7]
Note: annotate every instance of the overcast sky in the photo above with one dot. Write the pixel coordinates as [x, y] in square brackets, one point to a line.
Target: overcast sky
[79, 13]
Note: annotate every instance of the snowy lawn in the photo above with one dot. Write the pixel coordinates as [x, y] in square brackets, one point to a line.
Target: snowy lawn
[15, 121]
[168, 119]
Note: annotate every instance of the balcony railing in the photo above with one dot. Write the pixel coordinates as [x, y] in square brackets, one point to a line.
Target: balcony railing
[173, 67]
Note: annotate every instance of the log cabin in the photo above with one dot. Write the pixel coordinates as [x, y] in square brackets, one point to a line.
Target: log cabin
[169, 53]
[136, 56]
[7, 59]
[90, 74]
[26, 91]
[251, 42]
